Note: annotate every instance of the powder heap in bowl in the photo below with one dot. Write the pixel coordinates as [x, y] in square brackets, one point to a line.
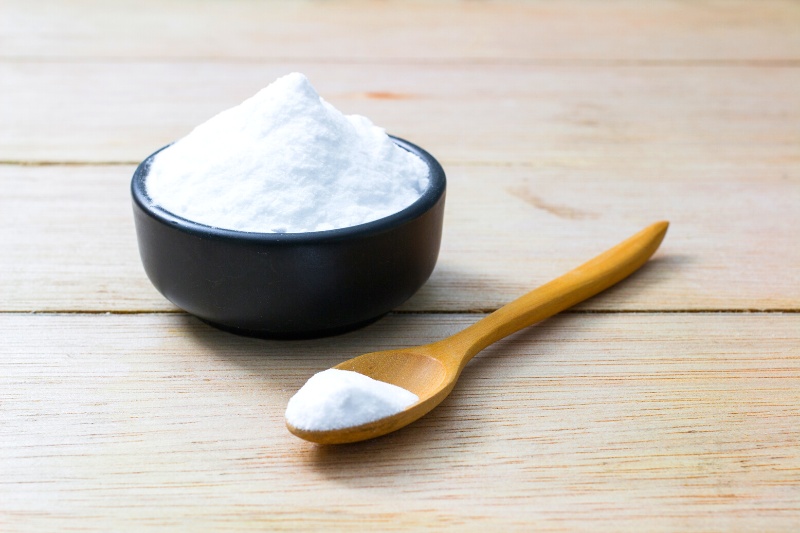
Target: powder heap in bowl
[285, 161]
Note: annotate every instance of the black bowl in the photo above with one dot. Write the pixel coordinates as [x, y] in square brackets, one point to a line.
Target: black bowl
[291, 285]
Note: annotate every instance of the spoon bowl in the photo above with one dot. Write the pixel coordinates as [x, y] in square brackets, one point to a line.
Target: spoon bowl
[431, 371]
[415, 369]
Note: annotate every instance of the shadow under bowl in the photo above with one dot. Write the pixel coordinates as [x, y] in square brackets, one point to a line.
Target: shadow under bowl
[291, 285]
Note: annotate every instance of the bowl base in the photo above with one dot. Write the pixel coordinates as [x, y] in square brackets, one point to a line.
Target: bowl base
[292, 335]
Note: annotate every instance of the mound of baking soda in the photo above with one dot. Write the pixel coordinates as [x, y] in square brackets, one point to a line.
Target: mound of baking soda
[336, 399]
[285, 161]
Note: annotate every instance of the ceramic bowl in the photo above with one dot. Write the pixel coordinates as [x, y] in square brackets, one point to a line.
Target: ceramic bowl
[291, 285]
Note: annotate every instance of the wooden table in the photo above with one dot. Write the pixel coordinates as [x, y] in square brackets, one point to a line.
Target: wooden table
[669, 403]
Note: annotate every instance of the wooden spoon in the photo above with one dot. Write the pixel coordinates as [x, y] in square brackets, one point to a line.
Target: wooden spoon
[431, 371]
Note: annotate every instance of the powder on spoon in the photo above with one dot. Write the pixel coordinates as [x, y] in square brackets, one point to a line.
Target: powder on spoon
[285, 161]
[336, 399]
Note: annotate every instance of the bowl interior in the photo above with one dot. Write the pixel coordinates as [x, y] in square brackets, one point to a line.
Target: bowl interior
[429, 198]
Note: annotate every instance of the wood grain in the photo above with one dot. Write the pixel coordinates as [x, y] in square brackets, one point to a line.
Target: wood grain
[419, 31]
[656, 422]
[676, 117]
[70, 243]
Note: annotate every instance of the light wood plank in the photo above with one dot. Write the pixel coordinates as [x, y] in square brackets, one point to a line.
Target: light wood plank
[391, 31]
[69, 242]
[605, 422]
[68, 237]
[107, 112]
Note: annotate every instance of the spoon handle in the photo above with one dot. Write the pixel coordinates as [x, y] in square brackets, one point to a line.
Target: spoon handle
[590, 278]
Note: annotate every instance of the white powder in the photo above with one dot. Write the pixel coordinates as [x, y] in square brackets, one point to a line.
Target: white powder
[285, 161]
[336, 399]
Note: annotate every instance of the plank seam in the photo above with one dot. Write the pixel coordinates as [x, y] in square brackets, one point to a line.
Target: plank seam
[438, 312]
[477, 61]
[45, 163]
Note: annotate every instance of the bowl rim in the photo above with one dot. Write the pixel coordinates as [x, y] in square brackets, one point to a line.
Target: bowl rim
[429, 198]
